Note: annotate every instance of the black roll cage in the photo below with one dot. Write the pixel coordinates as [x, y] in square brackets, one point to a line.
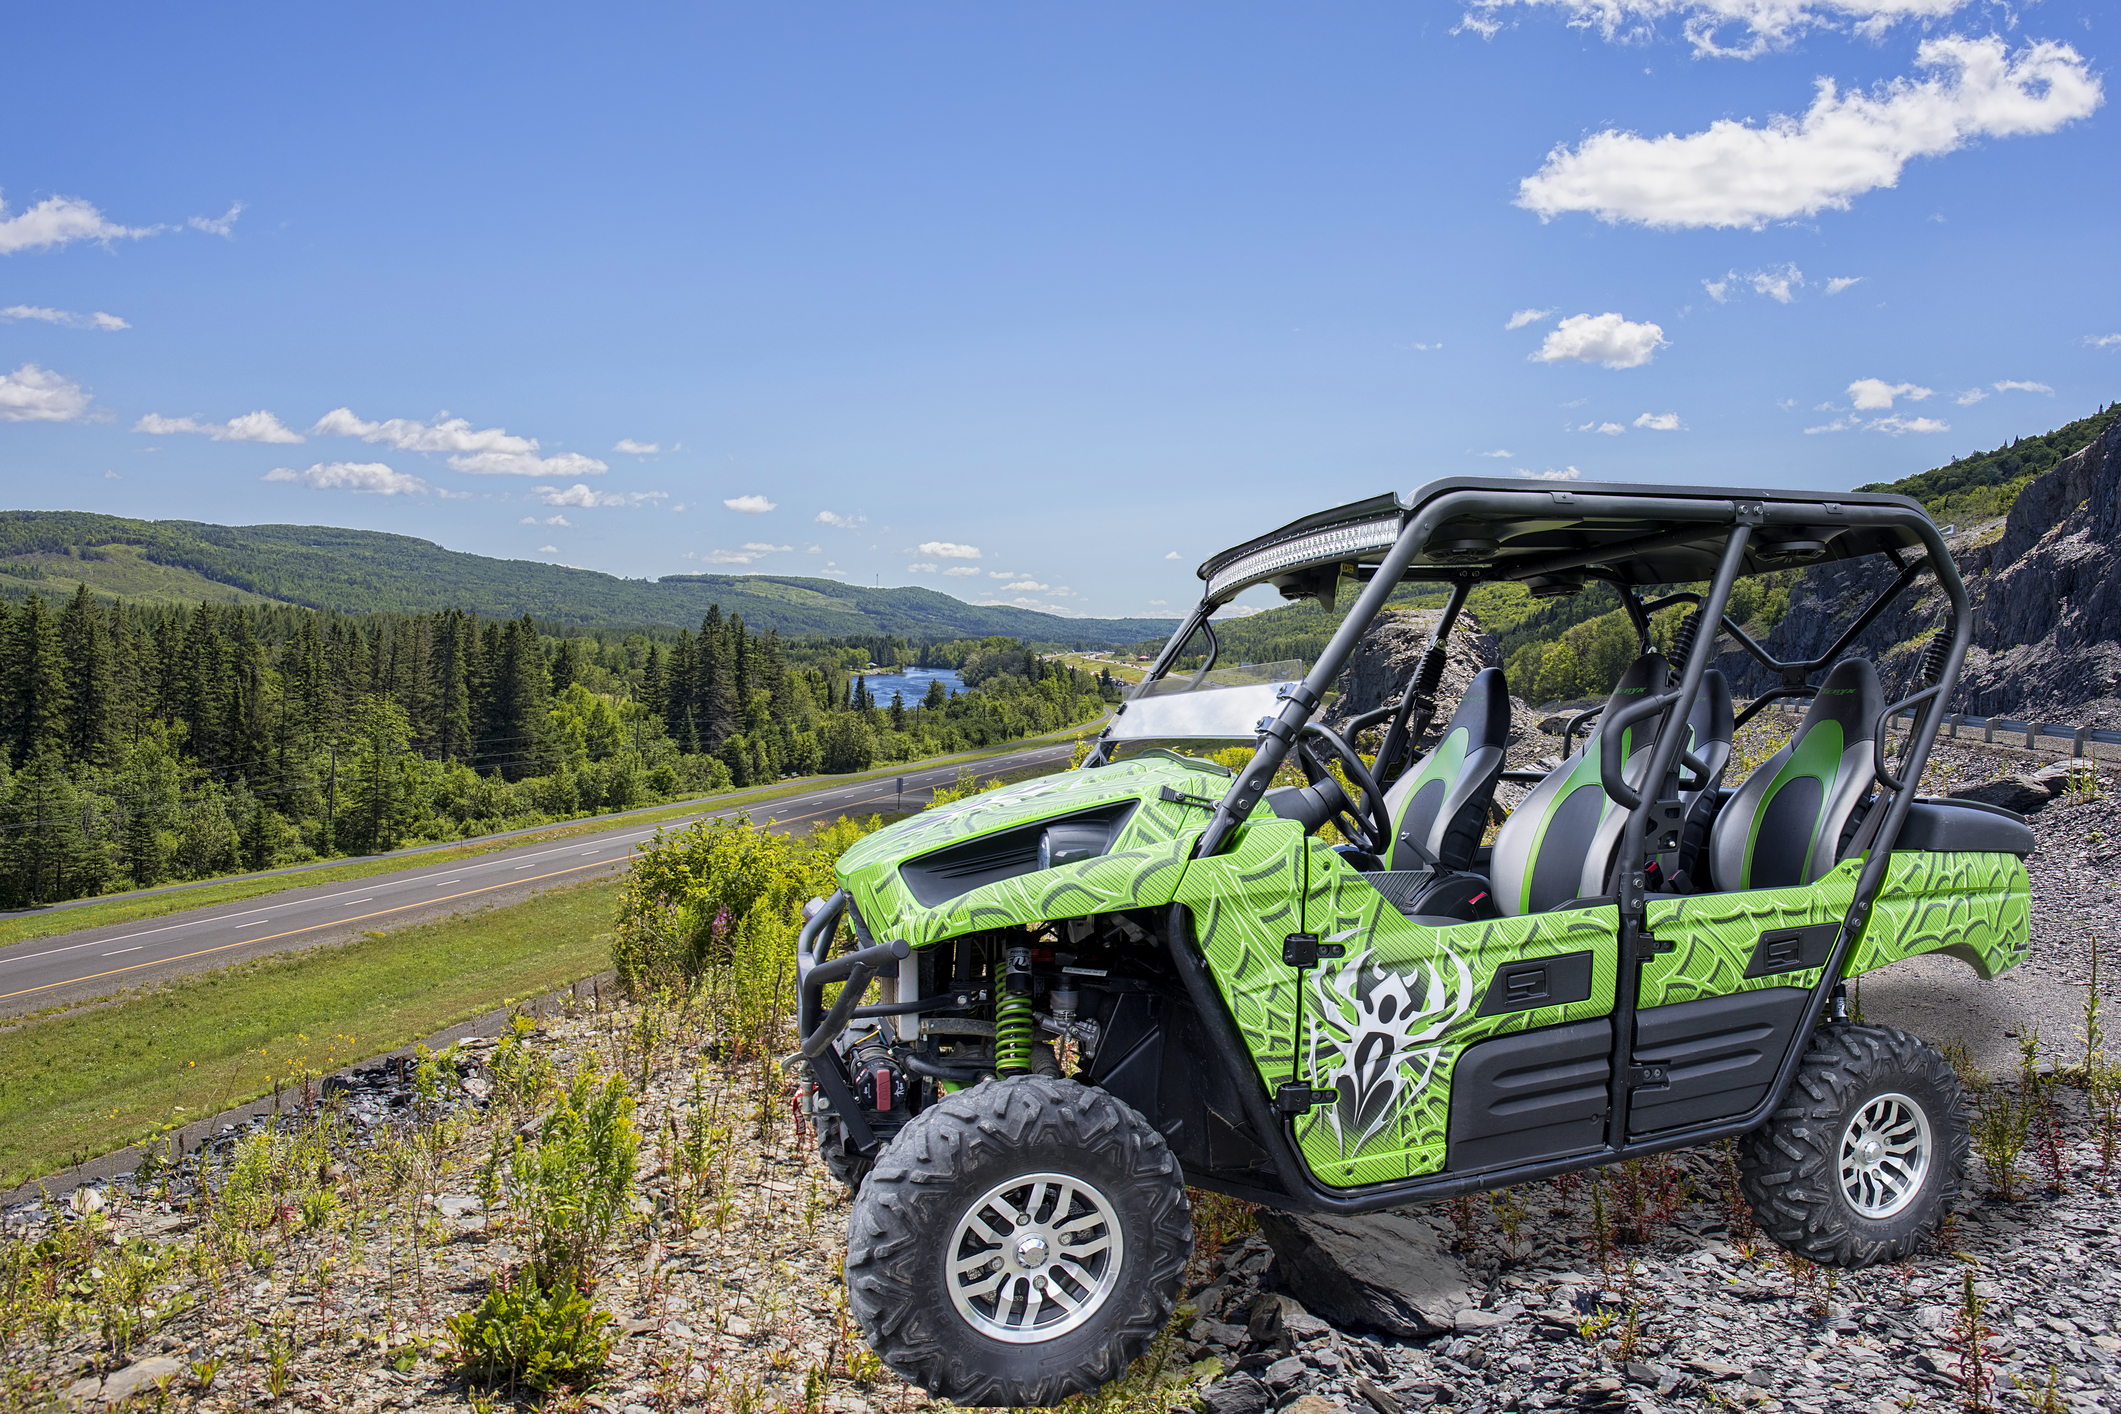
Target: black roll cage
[1734, 519]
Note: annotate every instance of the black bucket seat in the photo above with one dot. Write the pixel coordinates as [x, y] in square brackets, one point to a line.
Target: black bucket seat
[1785, 824]
[1440, 809]
[1560, 842]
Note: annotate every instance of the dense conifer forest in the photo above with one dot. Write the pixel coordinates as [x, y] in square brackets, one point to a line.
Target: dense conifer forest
[141, 744]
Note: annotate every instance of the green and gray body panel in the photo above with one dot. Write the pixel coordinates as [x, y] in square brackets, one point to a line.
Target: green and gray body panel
[1384, 1024]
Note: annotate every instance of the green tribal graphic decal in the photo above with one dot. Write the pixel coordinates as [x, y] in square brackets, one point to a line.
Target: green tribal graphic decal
[1716, 935]
[1976, 907]
[1382, 1025]
[1141, 869]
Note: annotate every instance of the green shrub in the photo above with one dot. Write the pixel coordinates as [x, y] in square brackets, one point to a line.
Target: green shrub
[524, 1334]
[569, 1185]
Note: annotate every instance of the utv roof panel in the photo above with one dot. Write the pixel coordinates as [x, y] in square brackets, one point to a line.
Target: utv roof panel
[1508, 528]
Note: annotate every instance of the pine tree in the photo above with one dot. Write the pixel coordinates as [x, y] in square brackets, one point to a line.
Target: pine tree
[92, 708]
[35, 701]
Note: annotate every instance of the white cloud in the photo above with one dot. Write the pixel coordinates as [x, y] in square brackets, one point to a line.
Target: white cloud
[1736, 174]
[813, 549]
[33, 394]
[1567, 473]
[925, 567]
[1610, 429]
[548, 549]
[112, 476]
[749, 505]
[64, 318]
[1776, 284]
[1767, 24]
[488, 451]
[527, 464]
[842, 522]
[1527, 316]
[1601, 338]
[1158, 604]
[1028, 584]
[1894, 426]
[1470, 23]
[1971, 396]
[638, 449]
[223, 225]
[1720, 290]
[745, 556]
[549, 520]
[1172, 556]
[761, 547]
[949, 550]
[581, 497]
[1659, 421]
[258, 426]
[60, 221]
[1839, 424]
[1874, 394]
[371, 477]
[1839, 283]
[961, 571]
[2012, 385]
[2103, 341]
[1498, 452]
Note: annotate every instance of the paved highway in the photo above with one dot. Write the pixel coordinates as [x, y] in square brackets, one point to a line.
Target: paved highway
[97, 961]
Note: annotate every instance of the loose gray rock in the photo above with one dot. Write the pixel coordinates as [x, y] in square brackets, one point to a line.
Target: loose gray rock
[1236, 1394]
[1286, 1373]
[2024, 794]
[140, 1375]
[1380, 1271]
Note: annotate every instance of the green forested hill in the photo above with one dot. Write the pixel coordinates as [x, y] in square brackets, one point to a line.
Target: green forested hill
[1985, 483]
[364, 571]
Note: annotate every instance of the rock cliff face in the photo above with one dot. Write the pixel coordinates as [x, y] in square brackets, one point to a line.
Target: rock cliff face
[1389, 652]
[2047, 604]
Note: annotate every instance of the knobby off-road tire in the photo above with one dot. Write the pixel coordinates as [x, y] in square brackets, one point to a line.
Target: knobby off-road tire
[1018, 1242]
[1866, 1153]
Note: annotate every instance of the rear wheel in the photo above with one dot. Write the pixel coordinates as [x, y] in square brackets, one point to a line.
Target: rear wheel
[1866, 1153]
[1018, 1242]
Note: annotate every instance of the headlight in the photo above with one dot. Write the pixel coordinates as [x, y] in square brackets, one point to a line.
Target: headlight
[1072, 844]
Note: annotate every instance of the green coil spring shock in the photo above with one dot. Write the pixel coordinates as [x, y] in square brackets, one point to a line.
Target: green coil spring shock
[1012, 1017]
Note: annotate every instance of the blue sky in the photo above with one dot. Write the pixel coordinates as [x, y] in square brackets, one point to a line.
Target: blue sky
[1022, 302]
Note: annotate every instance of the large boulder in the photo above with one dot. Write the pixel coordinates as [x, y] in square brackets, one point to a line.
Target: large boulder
[2024, 794]
[1388, 1272]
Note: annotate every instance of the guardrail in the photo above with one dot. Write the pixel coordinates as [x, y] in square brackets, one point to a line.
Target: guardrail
[2009, 731]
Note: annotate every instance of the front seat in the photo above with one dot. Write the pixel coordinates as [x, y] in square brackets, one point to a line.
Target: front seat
[1558, 844]
[1784, 825]
[1440, 810]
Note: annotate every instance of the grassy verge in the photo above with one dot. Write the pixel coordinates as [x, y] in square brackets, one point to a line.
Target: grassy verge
[129, 908]
[96, 1080]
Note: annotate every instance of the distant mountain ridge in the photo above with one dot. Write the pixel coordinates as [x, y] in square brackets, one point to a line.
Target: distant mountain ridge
[362, 571]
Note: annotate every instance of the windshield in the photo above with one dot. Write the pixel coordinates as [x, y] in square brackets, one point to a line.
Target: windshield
[1201, 715]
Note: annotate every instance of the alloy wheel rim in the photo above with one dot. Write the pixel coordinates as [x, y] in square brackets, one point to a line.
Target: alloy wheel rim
[1034, 1257]
[1885, 1155]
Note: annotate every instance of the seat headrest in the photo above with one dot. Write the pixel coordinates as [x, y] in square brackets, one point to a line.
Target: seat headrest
[1851, 697]
[1484, 711]
[1650, 673]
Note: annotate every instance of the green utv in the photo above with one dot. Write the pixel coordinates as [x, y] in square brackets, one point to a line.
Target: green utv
[1094, 989]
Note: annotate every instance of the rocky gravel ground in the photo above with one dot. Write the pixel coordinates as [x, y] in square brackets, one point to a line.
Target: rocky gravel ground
[1645, 1289]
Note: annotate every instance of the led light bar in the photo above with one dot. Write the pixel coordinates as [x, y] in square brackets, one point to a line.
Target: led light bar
[1340, 544]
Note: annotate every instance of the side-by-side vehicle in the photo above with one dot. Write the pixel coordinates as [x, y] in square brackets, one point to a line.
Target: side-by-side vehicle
[1062, 1002]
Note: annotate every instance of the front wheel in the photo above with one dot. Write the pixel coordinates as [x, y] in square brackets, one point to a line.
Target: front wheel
[1018, 1242]
[1866, 1153]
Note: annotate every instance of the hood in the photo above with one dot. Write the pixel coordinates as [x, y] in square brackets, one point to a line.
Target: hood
[974, 861]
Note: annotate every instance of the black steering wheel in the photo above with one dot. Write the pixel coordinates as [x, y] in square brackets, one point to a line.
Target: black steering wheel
[1367, 826]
